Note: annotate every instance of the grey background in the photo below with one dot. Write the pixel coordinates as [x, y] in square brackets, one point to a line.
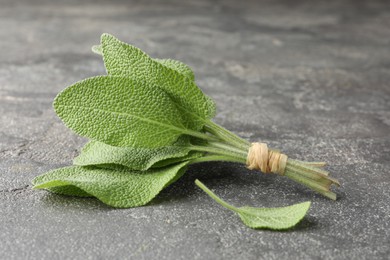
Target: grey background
[309, 78]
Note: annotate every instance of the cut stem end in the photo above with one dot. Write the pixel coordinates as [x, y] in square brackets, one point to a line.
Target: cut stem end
[311, 176]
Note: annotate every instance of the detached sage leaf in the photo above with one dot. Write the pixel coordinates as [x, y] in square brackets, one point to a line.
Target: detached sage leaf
[120, 112]
[122, 59]
[98, 153]
[117, 188]
[272, 218]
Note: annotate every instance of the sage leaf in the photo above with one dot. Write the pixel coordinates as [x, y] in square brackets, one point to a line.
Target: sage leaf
[69, 190]
[117, 188]
[186, 71]
[176, 65]
[272, 218]
[97, 49]
[122, 59]
[98, 153]
[191, 155]
[163, 163]
[120, 112]
[159, 164]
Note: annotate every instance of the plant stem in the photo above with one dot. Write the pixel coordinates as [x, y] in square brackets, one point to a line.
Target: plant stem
[201, 135]
[228, 147]
[305, 167]
[312, 177]
[311, 184]
[218, 151]
[223, 145]
[214, 196]
[226, 135]
[211, 158]
[315, 164]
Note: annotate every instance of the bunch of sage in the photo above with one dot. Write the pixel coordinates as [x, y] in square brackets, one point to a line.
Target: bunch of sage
[147, 121]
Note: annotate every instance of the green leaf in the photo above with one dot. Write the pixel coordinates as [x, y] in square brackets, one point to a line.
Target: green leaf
[69, 190]
[98, 153]
[121, 112]
[272, 218]
[122, 59]
[178, 66]
[117, 188]
[97, 49]
[185, 70]
[191, 155]
[163, 163]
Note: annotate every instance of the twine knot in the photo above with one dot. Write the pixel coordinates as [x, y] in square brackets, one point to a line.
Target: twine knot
[267, 161]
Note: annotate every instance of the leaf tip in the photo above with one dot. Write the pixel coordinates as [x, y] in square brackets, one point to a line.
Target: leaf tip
[97, 49]
[306, 205]
[36, 186]
[106, 36]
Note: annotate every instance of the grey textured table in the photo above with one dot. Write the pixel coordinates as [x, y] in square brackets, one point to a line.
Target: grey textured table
[310, 79]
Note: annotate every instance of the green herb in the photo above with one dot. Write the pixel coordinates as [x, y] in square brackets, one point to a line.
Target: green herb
[272, 218]
[123, 112]
[147, 121]
[98, 153]
[178, 66]
[118, 188]
[124, 60]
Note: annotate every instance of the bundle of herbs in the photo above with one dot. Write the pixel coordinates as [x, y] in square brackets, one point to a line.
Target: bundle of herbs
[147, 121]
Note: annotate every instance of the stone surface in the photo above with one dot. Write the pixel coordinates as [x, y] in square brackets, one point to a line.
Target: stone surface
[309, 78]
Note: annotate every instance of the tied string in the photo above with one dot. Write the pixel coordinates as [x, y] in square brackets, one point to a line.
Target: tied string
[265, 160]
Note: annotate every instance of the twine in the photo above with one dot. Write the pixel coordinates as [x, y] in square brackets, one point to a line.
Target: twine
[267, 161]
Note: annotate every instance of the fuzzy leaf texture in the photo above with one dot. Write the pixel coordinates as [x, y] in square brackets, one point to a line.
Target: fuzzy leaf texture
[97, 49]
[122, 59]
[69, 190]
[121, 112]
[117, 188]
[191, 155]
[271, 218]
[176, 65]
[98, 153]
